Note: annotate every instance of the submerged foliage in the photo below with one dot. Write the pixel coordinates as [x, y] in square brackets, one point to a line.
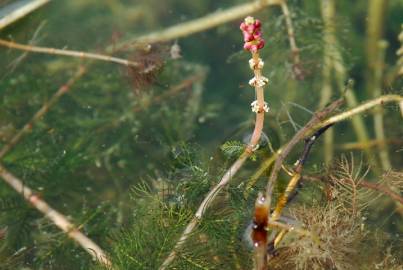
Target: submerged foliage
[129, 153]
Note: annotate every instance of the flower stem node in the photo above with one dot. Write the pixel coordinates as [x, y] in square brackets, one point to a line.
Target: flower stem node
[256, 64]
[257, 109]
[258, 82]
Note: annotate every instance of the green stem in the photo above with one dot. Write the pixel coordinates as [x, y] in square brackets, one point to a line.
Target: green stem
[375, 57]
[378, 115]
[328, 12]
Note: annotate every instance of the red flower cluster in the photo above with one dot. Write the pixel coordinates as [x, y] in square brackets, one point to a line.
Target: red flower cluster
[252, 34]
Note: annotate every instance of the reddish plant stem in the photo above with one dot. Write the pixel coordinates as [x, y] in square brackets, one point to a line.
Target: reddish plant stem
[257, 132]
[259, 232]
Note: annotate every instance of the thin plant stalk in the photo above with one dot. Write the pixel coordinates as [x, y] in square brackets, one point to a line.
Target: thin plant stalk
[196, 25]
[21, 12]
[351, 100]
[340, 74]
[399, 54]
[382, 100]
[378, 114]
[328, 13]
[259, 91]
[302, 133]
[57, 218]
[356, 145]
[375, 59]
[298, 74]
[293, 183]
[77, 54]
[376, 16]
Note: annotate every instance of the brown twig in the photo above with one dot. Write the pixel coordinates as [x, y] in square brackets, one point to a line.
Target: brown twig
[296, 68]
[361, 108]
[257, 65]
[78, 54]
[57, 218]
[42, 111]
[315, 120]
[292, 184]
[328, 14]
[197, 25]
[21, 12]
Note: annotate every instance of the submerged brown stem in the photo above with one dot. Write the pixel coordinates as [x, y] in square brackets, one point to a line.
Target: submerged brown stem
[259, 92]
[197, 25]
[77, 54]
[57, 218]
[21, 12]
[363, 107]
[315, 120]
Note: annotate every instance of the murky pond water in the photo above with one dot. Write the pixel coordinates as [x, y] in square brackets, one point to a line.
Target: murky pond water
[127, 152]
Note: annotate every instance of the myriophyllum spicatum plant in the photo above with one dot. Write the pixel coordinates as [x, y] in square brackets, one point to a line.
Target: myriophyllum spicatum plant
[252, 34]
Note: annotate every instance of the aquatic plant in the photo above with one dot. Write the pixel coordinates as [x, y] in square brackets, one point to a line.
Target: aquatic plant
[109, 143]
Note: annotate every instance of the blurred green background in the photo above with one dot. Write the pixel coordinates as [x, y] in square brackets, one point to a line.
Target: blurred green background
[117, 129]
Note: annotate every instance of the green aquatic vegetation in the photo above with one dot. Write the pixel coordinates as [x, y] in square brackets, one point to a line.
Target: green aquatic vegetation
[122, 136]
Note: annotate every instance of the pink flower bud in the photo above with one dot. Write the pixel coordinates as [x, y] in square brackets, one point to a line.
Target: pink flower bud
[257, 35]
[247, 46]
[252, 34]
[248, 37]
[260, 44]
